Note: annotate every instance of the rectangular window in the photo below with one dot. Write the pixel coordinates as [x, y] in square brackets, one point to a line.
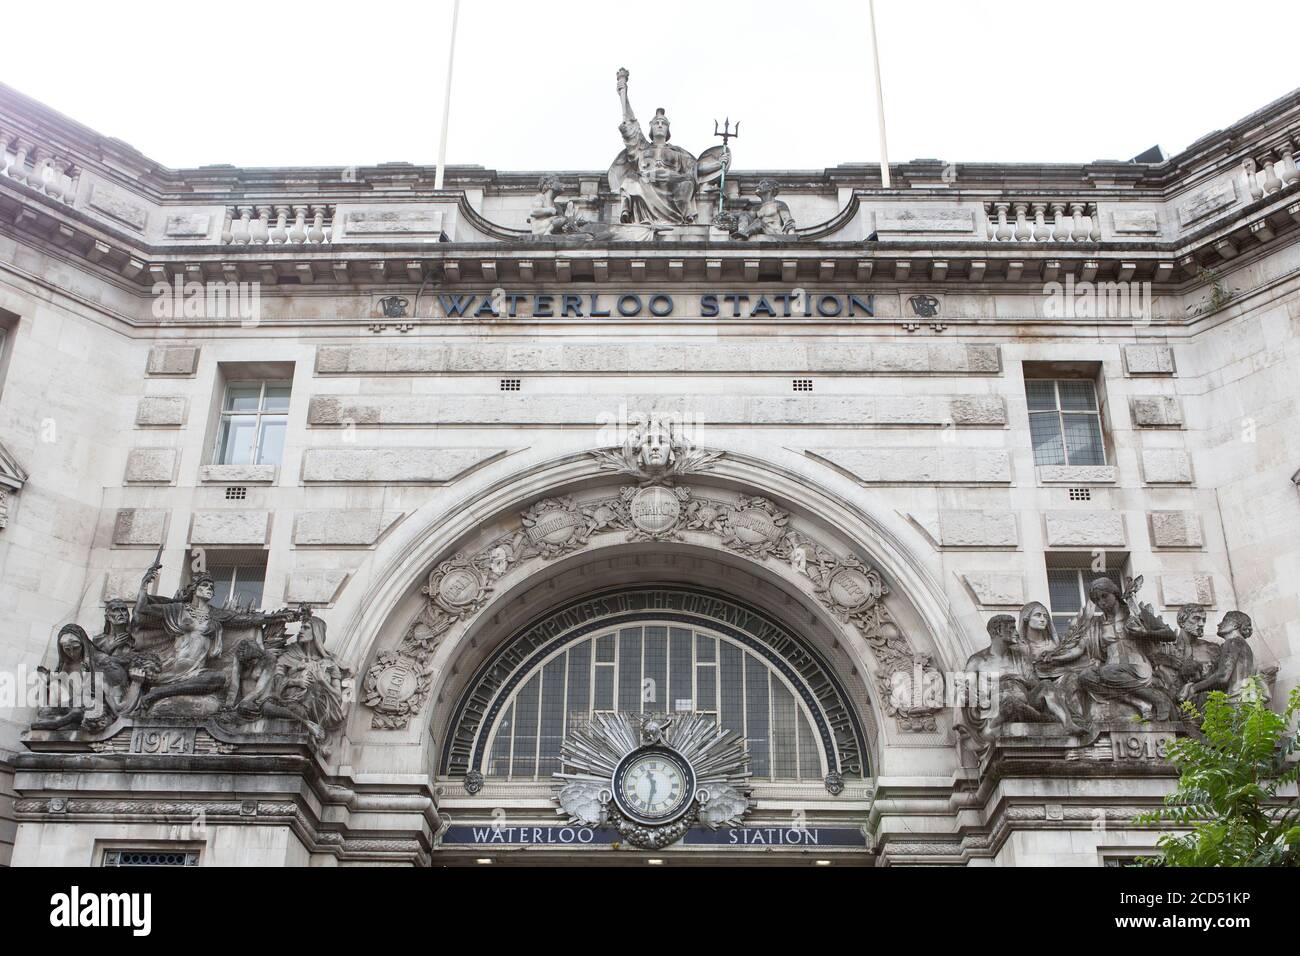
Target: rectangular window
[1065, 422]
[254, 416]
[1067, 590]
[237, 578]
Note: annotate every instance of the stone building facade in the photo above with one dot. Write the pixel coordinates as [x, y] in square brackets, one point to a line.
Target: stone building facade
[712, 483]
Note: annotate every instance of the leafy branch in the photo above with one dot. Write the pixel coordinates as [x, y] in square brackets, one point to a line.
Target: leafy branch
[1229, 784]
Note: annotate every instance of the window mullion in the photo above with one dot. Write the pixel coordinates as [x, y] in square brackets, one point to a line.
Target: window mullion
[537, 738]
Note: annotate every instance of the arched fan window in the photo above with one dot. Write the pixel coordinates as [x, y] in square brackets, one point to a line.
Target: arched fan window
[659, 668]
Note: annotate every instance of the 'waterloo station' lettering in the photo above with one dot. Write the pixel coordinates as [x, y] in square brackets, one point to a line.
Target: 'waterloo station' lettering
[628, 305]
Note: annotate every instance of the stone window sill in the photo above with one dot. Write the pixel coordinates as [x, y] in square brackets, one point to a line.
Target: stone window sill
[239, 474]
[1077, 474]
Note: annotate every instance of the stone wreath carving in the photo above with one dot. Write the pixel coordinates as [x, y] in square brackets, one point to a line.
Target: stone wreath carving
[656, 509]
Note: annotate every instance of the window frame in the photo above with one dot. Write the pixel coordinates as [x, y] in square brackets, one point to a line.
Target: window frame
[247, 559]
[1084, 575]
[509, 710]
[224, 415]
[1060, 412]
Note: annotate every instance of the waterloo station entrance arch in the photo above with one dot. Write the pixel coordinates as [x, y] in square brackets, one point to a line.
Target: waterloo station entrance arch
[608, 584]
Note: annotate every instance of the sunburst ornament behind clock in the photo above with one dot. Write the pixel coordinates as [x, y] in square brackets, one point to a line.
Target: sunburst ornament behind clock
[652, 776]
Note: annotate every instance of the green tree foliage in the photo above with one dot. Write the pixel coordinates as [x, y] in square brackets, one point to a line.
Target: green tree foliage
[1229, 783]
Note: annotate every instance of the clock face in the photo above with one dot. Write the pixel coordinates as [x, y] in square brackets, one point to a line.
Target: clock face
[653, 785]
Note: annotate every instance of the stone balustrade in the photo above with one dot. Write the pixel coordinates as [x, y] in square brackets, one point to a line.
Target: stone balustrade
[36, 167]
[1042, 221]
[278, 225]
[1272, 171]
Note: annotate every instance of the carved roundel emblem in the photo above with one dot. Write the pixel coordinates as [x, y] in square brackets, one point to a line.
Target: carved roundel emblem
[655, 510]
[755, 526]
[459, 587]
[852, 588]
[392, 682]
[456, 585]
[551, 524]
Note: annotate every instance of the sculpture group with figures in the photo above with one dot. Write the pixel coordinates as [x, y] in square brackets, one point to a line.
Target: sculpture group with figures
[1118, 660]
[171, 657]
[660, 190]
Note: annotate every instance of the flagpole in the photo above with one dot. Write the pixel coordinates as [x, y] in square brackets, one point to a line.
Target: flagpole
[446, 103]
[880, 99]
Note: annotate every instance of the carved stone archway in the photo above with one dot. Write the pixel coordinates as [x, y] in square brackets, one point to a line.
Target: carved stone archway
[754, 518]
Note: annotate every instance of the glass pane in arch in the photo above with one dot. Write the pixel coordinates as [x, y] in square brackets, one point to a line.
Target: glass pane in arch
[758, 728]
[551, 727]
[499, 759]
[524, 763]
[579, 686]
[690, 670]
[629, 669]
[654, 675]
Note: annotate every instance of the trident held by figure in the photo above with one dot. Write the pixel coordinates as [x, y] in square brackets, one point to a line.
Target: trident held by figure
[727, 134]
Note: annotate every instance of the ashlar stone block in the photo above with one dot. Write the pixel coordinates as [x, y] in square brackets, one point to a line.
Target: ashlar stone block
[1166, 466]
[1155, 411]
[996, 588]
[1186, 587]
[230, 527]
[313, 587]
[140, 526]
[1149, 359]
[342, 527]
[151, 465]
[963, 528]
[1175, 529]
[929, 465]
[173, 360]
[161, 411]
[434, 465]
[1077, 529]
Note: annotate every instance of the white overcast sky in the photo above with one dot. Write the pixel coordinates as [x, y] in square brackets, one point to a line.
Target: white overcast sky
[283, 82]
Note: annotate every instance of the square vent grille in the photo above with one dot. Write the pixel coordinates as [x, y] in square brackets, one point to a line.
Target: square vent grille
[510, 384]
[236, 493]
[802, 385]
[1080, 494]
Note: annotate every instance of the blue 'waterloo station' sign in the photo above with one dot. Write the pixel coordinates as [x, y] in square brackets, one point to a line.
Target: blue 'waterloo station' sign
[523, 835]
[794, 304]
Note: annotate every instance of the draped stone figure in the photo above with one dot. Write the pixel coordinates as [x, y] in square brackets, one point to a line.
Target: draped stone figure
[551, 218]
[659, 182]
[1234, 666]
[761, 215]
[308, 685]
[123, 671]
[1187, 658]
[195, 627]
[1039, 642]
[1106, 654]
[1036, 631]
[1005, 670]
[70, 689]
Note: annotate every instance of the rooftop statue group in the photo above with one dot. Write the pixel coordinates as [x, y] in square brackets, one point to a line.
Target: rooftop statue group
[171, 657]
[1118, 659]
[660, 188]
